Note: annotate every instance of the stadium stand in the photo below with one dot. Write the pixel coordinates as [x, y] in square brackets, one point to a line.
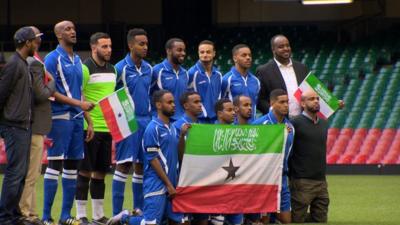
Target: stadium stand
[365, 74]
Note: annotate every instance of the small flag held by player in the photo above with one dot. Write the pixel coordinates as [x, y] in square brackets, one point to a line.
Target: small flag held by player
[328, 102]
[119, 112]
[231, 169]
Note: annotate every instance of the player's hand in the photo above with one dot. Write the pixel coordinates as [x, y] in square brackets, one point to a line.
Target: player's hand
[89, 133]
[87, 106]
[171, 192]
[184, 129]
[341, 104]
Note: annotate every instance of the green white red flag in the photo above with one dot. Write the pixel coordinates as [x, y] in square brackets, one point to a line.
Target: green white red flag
[231, 169]
[119, 112]
[328, 102]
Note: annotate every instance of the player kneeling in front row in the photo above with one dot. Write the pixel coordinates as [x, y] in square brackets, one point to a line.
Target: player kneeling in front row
[160, 142]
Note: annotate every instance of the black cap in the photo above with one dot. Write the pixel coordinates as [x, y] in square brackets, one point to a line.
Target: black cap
[24, 34]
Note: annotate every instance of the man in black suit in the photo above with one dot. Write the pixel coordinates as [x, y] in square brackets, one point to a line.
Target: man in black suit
[281, 72]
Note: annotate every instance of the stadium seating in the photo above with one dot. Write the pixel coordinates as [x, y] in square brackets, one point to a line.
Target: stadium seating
[365, 74]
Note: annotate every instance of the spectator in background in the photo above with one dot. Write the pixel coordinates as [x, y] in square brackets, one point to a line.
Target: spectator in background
[281, 72]
[16, 99]
[43, 89]
[307, 164]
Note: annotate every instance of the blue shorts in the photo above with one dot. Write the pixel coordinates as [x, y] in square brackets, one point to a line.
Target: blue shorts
[67, 137]
[234, 219]
[131, 149]
[285, 195]
[157, 208]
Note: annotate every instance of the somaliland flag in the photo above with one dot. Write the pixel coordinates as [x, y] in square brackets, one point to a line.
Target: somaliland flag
[328, 102]
[119, 112]
[231, 169]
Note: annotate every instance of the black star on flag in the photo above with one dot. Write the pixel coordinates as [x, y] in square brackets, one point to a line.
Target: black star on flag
[119, 114]
[231, 169]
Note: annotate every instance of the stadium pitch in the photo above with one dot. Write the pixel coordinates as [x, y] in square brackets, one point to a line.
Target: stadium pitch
[355, 199]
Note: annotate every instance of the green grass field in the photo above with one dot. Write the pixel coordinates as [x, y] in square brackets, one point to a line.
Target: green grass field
[354, 199]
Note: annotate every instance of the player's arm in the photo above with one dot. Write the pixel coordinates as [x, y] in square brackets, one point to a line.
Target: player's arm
[156, 165]
[51, 67]
[182, 138]
[90, 130]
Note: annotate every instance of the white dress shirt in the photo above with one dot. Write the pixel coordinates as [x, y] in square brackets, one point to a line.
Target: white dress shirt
[289, 77]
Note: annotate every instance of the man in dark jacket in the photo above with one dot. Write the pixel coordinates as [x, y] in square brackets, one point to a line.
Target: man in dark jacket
[43, 88]
[15, 124]
[281, 72]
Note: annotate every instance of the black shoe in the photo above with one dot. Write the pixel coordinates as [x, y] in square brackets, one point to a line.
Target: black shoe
[84, 221]
[102, 221]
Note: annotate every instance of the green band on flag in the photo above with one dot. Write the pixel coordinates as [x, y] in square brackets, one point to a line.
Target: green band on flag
[128, 108]
[217, 139]
[322, 91]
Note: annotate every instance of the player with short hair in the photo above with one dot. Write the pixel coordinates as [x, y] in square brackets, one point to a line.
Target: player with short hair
[136, 74]
[206, 79]
[161, 159]
[170, 75]
[239, 80]
[279, 101]
[67, 129]
[99, 80]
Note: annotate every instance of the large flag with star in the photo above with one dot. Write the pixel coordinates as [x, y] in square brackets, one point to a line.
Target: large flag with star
[119, 112]
[328, 102]
[231, 169]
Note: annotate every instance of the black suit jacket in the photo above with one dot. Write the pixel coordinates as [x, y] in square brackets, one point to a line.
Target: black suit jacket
[271, 78]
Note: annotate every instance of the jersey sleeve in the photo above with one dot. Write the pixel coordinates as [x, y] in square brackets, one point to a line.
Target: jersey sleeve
[50, 63]
[225, 86]
[151, 144]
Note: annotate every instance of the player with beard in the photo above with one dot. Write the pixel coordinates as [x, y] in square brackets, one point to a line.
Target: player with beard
[205, 79]
[67, 129]
[160, 141]
[99, 80]
[279, 101]
[170, 75]
[16, 101]
[135, 74]
[239, 80]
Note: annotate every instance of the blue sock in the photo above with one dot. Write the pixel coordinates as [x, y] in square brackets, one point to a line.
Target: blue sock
[137, 188]
[69, 190]
[50, 190]
[118, 190]
[132, 220]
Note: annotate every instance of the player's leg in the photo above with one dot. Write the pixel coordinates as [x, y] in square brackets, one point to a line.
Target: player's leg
[74, 153]
[60, 137]
[124, 152]
[319, 205]
[300, 199]
[200, 219]
[137, 178]
[173, 217]
[97, 184]
[82, 186]
[234, 219]
[285, 216]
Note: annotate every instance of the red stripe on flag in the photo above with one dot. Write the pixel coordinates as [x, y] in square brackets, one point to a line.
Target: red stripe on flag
[240, 198]
[321, 115]
[297, 94]
[109, 117]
